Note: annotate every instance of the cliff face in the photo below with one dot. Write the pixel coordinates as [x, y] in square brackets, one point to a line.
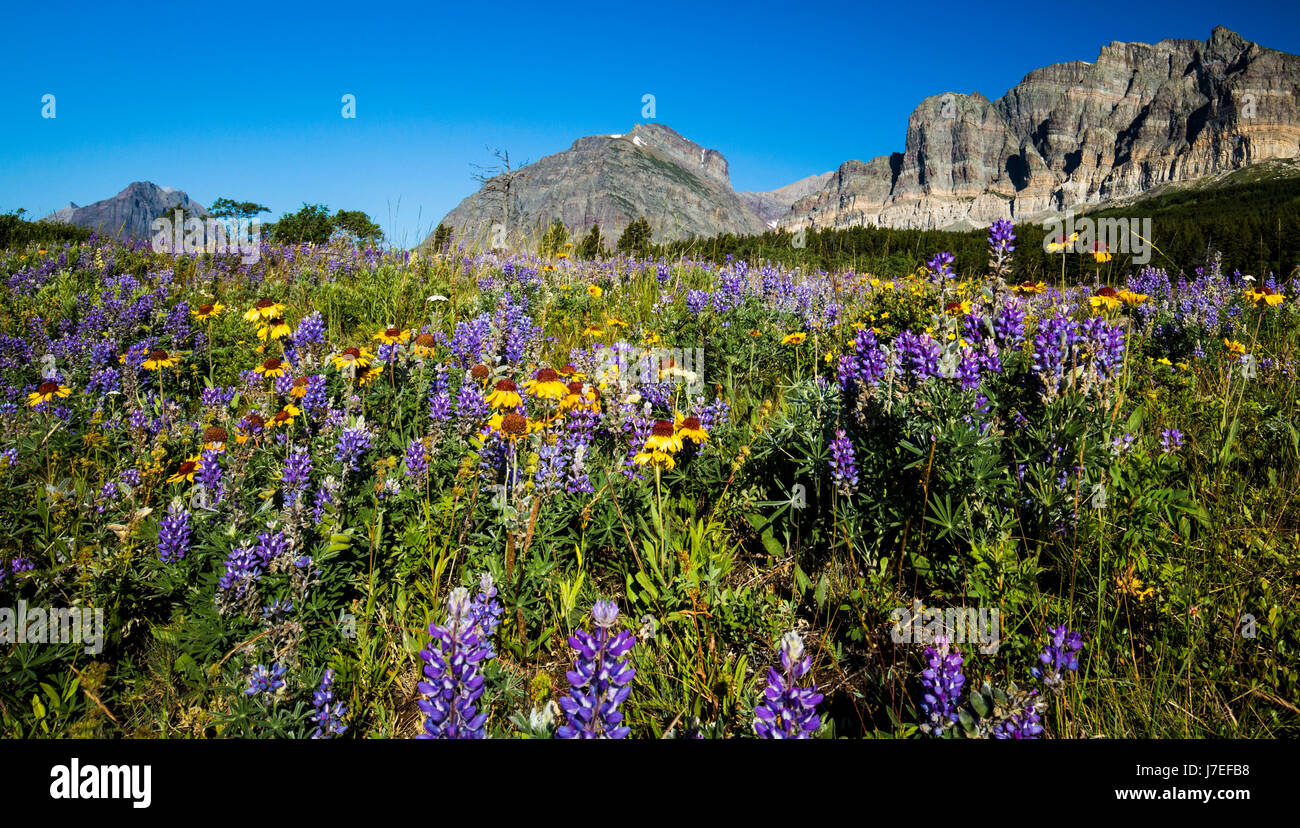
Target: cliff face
[682, 188]
[1073, 134]
[773, 204]
[130, 212]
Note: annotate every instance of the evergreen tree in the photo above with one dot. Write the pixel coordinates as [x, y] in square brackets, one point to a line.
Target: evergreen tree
[636, 239]
[592, 246]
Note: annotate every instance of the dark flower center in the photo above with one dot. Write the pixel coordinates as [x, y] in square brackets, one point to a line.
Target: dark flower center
[47, 388]
[663, 428]
[514, 423]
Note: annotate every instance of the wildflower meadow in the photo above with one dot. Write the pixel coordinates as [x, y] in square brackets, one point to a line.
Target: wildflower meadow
[337, 493]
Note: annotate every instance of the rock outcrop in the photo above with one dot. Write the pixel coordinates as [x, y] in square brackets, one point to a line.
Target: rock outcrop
[1074, 134]
[130, 212]
[682, 188]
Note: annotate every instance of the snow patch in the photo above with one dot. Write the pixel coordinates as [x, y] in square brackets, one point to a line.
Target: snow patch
[636, 139]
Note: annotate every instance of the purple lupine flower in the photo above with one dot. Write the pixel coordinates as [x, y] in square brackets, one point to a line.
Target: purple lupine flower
[439, 397]
[1122, 445]
[968, 369]
[941, 686]
[844, 467]
[310, 332]
[1171, 440]
[1060, 656]
[696, 300]
[351, 445]
[1001, 234]
[485, 613]
[469, 401]
[328, 714]
[417, 461]
[788, 711]
[131, 477]
[388, 352]
[1027, 724]
[270, 545]
[107, 494]
[208, 475]
[866, 365]
[601, 679]
[265, 680]
[941, 265]
[174, 534]
[918, 354]
[454, 683]
[296, 476]
[218, 396]
[1106, 344]
[316, 397]
[550, 467]
[1054, 345]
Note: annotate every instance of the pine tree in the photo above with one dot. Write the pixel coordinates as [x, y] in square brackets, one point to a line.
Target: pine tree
[592, 246]
[636, 238]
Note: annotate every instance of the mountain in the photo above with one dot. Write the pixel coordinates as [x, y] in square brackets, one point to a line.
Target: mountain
[774, 204]
[130, 212]
[1074, 134]
[682, 188]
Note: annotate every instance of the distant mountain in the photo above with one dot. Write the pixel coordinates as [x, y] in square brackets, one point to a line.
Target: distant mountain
[682, 188]
[130, 212]
[1074, 134]
[773, 205]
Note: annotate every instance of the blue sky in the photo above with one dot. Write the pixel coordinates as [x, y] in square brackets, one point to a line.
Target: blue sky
[250, 108]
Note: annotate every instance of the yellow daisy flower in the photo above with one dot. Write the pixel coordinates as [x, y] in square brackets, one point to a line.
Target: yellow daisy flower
[273, 330]
[425, 345]
[546, 385]
[1264, 295]
[689, 428]
[662, 459]
[393, 336]
[663, 438]
[1106, 299]
[214, 439]
[794, 338]
[159, 360]
[186, 472]
[356, 357]
[46, 392]
[272, 368]
[264, 310]
[505, 395]
[595, 291]
[285, 417]
[205, 312]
